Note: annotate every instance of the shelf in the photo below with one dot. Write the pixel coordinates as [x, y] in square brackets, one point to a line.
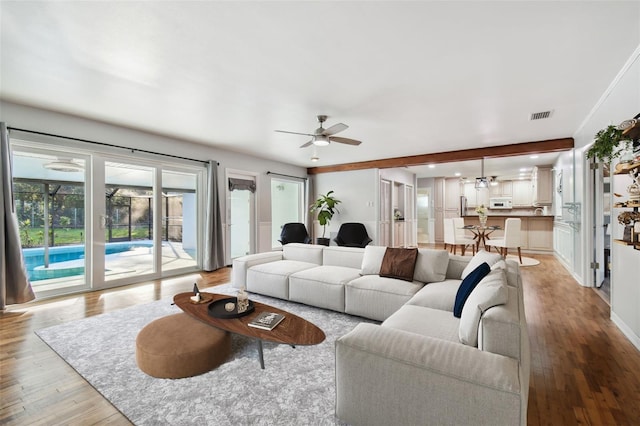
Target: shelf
[624, 243]
[625, 168]
[626, 204]
[633, 132]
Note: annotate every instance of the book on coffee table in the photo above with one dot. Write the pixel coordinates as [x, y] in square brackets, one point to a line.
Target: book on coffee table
[266, 320]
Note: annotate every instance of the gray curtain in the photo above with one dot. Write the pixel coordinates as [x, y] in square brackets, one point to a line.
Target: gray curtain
[213, 244]
[14, 283]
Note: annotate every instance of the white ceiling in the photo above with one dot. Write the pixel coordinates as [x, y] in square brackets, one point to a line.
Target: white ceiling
[407, 77]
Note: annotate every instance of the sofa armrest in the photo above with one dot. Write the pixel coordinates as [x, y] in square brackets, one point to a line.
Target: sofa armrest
[389, 376]
[243, 263]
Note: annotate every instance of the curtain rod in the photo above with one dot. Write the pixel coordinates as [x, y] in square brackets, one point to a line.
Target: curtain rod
[289, 176]
[105, 144]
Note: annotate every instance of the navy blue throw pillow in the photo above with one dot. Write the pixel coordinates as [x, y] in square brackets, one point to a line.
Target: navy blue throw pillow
[468, 284]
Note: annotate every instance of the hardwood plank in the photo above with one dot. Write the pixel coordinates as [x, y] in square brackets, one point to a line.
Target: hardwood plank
[583, 369]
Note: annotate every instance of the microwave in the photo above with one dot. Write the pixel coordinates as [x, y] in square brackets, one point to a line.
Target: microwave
[500, 203]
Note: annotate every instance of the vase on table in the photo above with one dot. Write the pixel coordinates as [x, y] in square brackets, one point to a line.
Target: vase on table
[483, 220]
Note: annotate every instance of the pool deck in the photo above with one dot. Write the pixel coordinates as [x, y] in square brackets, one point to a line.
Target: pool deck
[136, 261]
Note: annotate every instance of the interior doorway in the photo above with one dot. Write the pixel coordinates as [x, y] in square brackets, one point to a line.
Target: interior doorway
[601, 202]
[241, 216]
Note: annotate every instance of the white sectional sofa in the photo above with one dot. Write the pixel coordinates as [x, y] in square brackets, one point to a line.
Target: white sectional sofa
[421, 365]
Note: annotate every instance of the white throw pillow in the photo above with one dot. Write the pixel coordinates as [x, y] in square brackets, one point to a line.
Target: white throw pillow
[480, 258]
[372, 259]
[489, 292]
[431, 265]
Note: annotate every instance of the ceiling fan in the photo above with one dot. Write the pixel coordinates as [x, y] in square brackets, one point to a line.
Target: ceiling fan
[322, 136]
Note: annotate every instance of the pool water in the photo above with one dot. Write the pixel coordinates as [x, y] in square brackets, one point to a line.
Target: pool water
[61, 259]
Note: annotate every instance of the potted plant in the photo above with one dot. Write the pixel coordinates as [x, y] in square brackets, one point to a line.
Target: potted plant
[325, 206]
[606, 145]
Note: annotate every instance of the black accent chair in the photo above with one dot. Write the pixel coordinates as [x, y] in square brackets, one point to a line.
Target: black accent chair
[352, 235]
[294, 233]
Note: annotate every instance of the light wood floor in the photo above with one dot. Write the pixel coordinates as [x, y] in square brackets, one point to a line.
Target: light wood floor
[584, 371]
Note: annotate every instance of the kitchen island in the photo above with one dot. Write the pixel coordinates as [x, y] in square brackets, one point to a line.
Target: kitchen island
[536, 231]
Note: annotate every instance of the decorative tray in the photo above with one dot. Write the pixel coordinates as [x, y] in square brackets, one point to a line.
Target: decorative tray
[217, 309]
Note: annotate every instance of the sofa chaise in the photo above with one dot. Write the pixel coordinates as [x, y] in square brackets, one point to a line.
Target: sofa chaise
[422, 364]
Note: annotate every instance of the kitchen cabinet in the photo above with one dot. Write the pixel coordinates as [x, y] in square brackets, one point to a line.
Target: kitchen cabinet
[474, 196]
[452, 194]
[446, 202]
[522, 195]
[502, 188]
[542, 186]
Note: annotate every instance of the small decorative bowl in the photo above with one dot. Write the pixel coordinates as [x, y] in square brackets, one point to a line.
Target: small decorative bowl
[229, 306]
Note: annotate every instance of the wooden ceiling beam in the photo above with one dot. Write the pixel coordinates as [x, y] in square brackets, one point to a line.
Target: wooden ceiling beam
[539, 147]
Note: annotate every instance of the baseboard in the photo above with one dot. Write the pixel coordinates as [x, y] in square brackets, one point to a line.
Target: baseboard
[626, 330]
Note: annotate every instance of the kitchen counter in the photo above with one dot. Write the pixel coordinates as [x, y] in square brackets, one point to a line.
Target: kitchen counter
[536, 232]
[470, 216]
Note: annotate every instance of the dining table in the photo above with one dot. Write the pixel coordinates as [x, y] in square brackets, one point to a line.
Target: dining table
[481, 234]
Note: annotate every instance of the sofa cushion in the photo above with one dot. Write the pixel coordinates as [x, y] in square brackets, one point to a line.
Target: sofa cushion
[480, 258]
[376, 297]
[491, 291]
[372, 260]
[272, 279]
[310, 253]
[399, 263]
[466, 287]
[431, 265]
[322, 286]
[440, 295]
[350, 257]
[426, 322]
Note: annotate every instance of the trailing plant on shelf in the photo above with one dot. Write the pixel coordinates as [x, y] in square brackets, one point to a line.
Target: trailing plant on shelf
[607, 145]
[325, 206]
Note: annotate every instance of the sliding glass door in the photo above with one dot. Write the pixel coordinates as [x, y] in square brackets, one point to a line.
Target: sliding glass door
[136, 220]
[50, 197]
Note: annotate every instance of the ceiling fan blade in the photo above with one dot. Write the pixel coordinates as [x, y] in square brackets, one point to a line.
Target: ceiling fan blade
[306, 144]
[344, 140]
[335, 129]
[294, 133]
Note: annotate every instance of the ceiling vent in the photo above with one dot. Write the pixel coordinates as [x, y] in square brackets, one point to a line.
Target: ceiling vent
[540, 115]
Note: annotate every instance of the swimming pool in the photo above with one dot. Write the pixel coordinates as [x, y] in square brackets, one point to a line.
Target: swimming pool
[66, 261]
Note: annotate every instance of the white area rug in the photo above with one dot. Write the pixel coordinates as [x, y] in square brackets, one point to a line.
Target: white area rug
[297, 386]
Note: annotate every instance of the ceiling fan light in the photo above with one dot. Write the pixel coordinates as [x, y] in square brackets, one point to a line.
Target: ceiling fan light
[315, 158]
[320, 140]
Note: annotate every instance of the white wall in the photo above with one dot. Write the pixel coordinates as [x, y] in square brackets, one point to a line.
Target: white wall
[20, 116]
[621, 101]
[358, 192]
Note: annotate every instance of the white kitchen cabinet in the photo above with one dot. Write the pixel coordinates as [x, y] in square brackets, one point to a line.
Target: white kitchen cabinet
[522, 196]
[542, 186]
[452, 194]
[502, 188]
[474, 196]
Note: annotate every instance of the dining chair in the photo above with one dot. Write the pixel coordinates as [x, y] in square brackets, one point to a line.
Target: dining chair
[452, 239]
[511, 238]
